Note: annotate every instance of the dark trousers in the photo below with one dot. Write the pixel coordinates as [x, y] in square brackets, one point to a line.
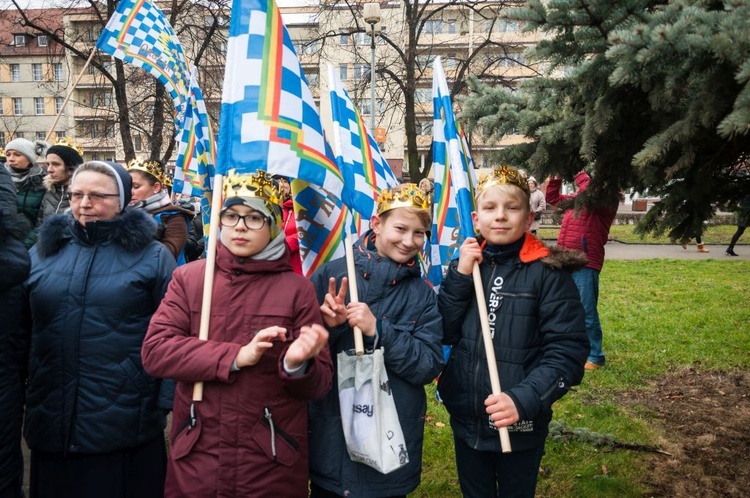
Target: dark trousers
[318, 492]
[490, 474]
[133, 473]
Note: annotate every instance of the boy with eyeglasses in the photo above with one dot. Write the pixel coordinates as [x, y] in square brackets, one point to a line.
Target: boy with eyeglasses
[266, 356]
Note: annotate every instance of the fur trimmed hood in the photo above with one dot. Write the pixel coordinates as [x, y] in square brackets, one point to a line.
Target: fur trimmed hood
[560, 258]
[132, 230]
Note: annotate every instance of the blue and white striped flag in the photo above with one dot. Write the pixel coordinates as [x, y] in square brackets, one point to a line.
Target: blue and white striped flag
[269, 120]
[366, 172]
[138, 33]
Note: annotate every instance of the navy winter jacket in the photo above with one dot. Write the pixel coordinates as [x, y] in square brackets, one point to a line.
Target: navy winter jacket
[409, 331]
[539, 337]
[91, 295]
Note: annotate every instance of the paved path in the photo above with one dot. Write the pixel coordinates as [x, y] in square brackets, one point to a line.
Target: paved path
[618, 250]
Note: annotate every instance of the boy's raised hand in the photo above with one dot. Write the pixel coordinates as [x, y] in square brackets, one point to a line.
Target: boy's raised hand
[251, 352]
[469, 253]
[501, 409]
[333, 308]
[309, 343]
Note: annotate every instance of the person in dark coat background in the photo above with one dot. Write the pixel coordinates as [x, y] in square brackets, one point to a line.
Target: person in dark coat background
[94, 418]
[15, 264]
[62, 160]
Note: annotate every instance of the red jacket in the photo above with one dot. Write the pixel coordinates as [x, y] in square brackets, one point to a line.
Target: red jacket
[585, 230]
[234, 453]
[292, 239]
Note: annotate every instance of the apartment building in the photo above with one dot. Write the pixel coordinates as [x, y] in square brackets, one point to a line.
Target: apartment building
[35, 74]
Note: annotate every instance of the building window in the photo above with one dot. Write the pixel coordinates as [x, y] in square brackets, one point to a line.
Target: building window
[61, 134]
[20, 134]
[423, 95]
[343, 38]
[138, 143]
[39, 106]
[507, 26]
[36, 72]
[41, 40]
[20, 40]
[425, 127]
[361, 71]
[451, 26]
[40, 135]
[15, 72]
[18, 106]
[343, 72]
[58, 71]
[1, 107]
[58, 104]
[313, 80]
[434, 27]
[101, 99]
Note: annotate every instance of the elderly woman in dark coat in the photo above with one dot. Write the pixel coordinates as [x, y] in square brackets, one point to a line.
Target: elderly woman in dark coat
[15, 264]
[94, 421]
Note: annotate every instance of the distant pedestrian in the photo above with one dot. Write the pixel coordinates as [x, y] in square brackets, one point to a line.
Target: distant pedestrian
[587, 230]
[743, 219]
[62, 160]
[536, 201]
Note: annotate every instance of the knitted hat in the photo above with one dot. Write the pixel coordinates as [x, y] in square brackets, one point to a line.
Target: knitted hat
[70, 156]
[122, 178]
[32, 150]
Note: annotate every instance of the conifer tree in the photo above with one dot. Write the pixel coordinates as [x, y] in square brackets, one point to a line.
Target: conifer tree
[647, 94]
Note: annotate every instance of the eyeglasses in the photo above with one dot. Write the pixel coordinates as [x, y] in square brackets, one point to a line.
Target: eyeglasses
[93, 197]
[252, 221]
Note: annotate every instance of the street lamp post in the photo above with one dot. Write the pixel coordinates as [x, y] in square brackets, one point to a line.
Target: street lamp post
[371, 14]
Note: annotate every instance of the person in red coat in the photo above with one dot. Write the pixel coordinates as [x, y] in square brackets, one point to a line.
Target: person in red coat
[586, 230]
[266, 356]
[289, 223]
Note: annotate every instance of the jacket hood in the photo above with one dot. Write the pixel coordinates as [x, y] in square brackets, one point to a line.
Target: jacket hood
[131, 230]
[555, 257]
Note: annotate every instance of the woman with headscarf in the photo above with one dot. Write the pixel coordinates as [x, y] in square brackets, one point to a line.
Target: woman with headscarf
[94, 418]
[28, 177]
[62, 160]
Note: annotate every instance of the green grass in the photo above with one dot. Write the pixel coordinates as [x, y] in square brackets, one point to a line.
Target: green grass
[656, 316]
[719, 234]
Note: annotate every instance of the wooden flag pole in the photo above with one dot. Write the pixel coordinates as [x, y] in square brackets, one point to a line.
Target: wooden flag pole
[208, 279]
[70, 93]
[489, 349]
[359, 347]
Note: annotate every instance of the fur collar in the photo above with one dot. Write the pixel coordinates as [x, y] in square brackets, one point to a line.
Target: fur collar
[53, 186]
[560, 258]
[132, 230]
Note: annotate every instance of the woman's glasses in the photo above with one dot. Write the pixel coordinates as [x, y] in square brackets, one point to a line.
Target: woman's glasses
[93, 197]
[252, 221]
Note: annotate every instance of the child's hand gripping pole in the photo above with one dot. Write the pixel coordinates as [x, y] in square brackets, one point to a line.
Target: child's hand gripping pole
[489, 349]
[359, 347]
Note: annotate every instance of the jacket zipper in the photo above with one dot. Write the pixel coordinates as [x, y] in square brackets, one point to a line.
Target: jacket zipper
[560, 382]
[481, 418]
[268, 420]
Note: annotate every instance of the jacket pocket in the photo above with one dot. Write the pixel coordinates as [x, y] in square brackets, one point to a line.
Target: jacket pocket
[278, 446]
[185, 440]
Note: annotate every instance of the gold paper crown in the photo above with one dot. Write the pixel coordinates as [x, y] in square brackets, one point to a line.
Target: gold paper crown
[260, 185]
[406, 195]
[503, 175]
[2, 152]
[153, 168]
[71, 144]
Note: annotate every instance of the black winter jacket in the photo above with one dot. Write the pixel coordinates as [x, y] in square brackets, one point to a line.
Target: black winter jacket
[91, 295]
[539, 337]
[14, 268]
[409, 331]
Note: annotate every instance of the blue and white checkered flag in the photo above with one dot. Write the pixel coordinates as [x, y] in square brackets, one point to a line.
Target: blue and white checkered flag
[269, 120]
[138, 33]
[366, 172]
